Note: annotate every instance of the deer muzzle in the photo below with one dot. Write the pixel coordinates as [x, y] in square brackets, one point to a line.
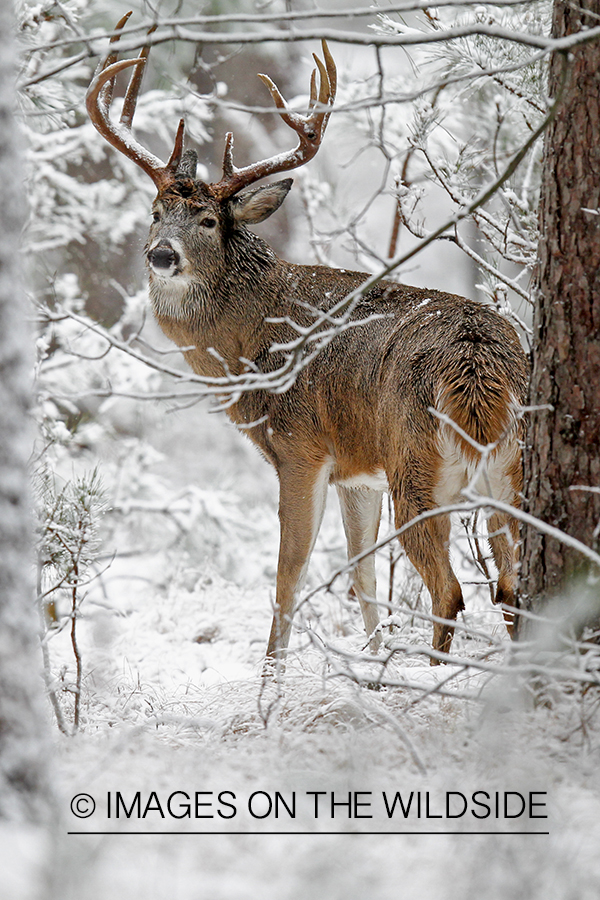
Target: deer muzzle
[164, 257]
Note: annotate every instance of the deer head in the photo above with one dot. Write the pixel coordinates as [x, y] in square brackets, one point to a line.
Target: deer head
[194, 222]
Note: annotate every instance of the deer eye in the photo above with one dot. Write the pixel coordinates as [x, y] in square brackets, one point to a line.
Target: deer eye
[208, 223]
[156, 216]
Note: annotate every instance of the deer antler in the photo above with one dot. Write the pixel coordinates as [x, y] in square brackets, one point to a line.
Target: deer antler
[310, 130]
[119, 134]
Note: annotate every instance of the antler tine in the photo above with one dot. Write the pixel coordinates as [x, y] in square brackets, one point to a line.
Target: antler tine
[310, 130]
[111, 58]
[175, 157]
[324, 90]
[228, 167]
[133, 90]
[313, 90]
[331, 70]
[119, 134]
[276, 95]
[328, 86]
[325, 87]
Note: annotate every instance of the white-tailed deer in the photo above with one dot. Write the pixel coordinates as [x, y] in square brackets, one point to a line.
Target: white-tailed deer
[358, 414]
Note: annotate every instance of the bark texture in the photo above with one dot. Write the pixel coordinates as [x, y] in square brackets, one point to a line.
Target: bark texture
[563, 444]
[24, 794]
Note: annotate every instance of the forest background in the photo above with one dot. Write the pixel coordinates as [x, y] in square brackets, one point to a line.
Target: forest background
[156, 522]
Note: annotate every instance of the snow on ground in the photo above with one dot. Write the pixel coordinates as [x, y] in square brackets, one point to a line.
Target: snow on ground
[172, 639]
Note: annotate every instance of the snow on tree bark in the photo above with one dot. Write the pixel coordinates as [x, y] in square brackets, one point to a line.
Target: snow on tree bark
[24, 795]
[563, 443]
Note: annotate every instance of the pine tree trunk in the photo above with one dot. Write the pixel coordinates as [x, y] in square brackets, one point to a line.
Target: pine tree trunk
[24, 794]
[563, 443]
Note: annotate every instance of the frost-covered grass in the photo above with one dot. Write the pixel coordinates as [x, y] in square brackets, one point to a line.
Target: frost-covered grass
[172, 636]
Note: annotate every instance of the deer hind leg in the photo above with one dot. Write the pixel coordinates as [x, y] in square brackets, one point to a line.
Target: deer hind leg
[427, 546]
[503, 480]
[503, 535]
[302, 496]
[361, 513]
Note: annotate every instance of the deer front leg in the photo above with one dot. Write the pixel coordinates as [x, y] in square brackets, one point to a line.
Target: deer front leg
[302, 495]
[361, 512]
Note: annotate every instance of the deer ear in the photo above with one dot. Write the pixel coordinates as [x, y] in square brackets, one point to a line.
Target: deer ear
[257, 205]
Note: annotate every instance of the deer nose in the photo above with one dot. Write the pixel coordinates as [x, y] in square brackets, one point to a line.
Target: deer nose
[163, 256]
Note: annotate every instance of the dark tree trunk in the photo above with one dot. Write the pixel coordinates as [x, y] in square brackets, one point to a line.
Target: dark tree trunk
[24, 791]
[563, 444]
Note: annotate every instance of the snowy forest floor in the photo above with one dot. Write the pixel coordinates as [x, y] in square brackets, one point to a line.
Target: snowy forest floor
[172, 637]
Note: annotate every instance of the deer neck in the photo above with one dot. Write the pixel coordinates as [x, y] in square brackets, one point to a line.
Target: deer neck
[221, 312]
